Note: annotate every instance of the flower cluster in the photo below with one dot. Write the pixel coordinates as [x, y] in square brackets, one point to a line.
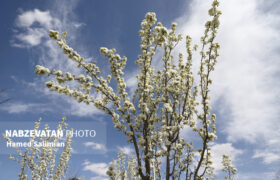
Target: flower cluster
[228, 167]
[40, 70]
[120, 170]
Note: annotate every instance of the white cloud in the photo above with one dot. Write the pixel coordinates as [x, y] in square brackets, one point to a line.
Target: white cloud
[218, 150]
[268, 157]
[20, 107]
[74, 151]
[256, 175]
[248, 68]
[246, 80]
[32, 26]
[126, 150]
[28, 18]
[32, 37]
[97, 168]
[96, 146]
[98, 178]
[131, 82]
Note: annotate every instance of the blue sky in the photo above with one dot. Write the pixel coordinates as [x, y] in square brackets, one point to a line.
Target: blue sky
[245, 93]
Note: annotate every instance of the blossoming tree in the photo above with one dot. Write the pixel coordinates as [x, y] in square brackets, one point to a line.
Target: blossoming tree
[165, 101]
[43, 162]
